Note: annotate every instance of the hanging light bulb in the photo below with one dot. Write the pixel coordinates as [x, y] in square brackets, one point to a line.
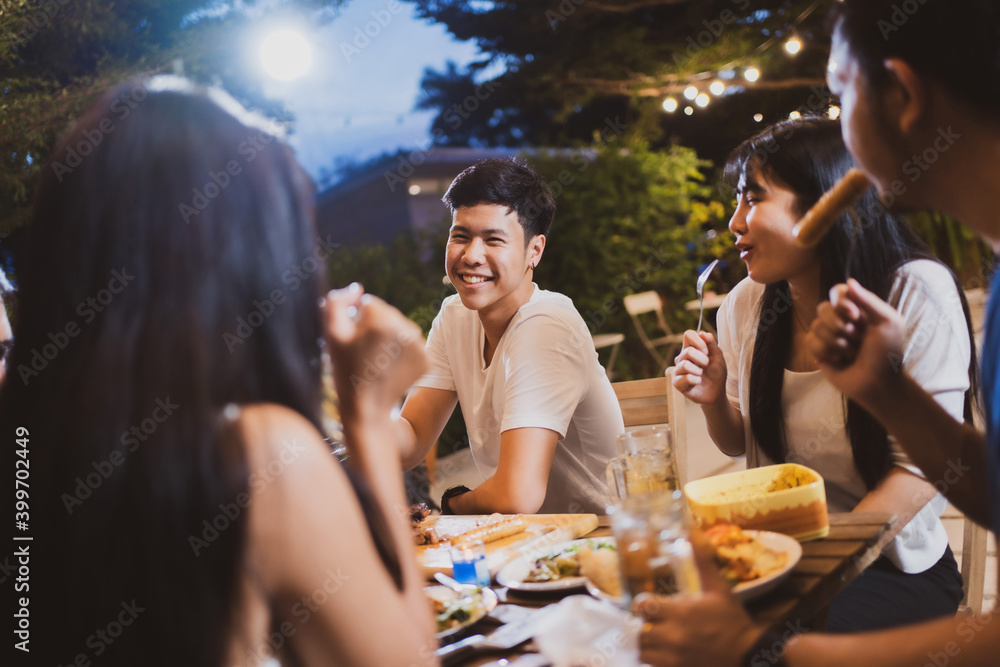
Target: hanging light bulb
[717, 88]
[702, 100]
[688, 110]
[670, 105]
[795, 115]
[793, 45]
[751, 74]
[757, 117]
[833, 112]
[690, 92]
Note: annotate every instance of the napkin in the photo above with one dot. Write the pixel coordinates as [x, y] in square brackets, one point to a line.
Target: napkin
[580, 630]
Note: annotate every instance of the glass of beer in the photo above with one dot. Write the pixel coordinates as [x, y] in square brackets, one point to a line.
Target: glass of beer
[654, 553]
[645, 463]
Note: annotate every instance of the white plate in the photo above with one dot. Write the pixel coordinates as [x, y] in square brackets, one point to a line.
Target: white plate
[513, 574]
[780, 543]
[488, 601]
[748, 590]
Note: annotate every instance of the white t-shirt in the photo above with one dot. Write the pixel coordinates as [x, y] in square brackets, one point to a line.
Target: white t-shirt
[936, 355]
[544, 374]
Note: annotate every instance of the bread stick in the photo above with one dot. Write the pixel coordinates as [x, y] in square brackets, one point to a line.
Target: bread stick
[817, 221]
[493, 531]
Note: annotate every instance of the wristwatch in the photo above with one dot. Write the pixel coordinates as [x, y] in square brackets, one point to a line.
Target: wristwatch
[448, 495]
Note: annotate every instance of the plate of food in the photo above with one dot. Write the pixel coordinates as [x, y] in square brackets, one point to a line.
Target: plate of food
[456, 611]
[554, 568]
[753, 561]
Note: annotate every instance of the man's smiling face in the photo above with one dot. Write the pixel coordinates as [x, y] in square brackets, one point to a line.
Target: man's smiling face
[487, 259]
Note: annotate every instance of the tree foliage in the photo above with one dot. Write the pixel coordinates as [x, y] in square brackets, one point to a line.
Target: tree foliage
[552, 70]
[56, 56]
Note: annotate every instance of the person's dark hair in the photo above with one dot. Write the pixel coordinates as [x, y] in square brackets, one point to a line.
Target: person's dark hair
[807, 156]
[138, 323]
[956, 42]
[507, 183]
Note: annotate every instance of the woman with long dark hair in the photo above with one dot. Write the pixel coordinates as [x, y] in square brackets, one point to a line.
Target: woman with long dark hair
[763, 394]
[167, 382]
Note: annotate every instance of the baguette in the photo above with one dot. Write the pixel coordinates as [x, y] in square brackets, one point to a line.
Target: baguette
[493, 531]
[817, 221]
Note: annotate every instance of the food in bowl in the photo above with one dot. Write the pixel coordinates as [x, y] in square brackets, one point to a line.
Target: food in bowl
[787, 498]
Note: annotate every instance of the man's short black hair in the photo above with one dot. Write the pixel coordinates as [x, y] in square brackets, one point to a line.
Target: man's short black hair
[510, 183]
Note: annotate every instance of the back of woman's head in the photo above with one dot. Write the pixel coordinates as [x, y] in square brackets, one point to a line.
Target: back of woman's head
[807, 156]
[162, 280]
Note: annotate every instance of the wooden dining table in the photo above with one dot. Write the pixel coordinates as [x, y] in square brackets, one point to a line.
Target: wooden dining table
[827, 566]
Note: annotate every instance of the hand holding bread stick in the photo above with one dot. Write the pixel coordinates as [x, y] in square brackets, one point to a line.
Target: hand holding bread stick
[817, 221]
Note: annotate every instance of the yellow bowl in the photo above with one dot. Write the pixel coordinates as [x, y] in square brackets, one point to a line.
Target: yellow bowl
[788, 498]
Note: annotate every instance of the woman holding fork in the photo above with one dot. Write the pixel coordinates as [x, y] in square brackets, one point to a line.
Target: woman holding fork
[764, 396]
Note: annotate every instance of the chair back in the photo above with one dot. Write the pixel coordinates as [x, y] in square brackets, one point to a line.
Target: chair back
[655, 402]
[650, 302]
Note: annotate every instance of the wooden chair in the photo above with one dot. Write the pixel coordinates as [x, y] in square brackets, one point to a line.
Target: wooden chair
[652, 402]
[650, 302]
[973, 566]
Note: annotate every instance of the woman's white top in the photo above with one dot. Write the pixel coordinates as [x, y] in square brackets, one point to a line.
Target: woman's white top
[936, 355]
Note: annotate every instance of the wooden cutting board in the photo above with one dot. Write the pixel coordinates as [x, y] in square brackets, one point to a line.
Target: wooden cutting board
[543, 530]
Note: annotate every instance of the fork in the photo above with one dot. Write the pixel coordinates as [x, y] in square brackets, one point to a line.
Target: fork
[702, 279]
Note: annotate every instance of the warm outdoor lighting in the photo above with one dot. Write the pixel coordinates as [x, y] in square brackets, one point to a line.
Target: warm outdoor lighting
[717, 87]
[670, 105]
[795, 115]
[751, 74]
[757, 117]
[286, 55]
[688, 110]
[793, 45]
[702, 100]
[690, 92]
[414, 190]
[833, 112]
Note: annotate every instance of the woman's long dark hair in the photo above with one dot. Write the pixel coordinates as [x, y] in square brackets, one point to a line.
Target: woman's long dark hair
[157, 288]
[807, 156]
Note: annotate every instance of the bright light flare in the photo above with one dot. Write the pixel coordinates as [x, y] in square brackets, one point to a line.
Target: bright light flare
[717, 88]
[670, 105]
[751, 74]
[795, 115]
[833, 112]
[690, 92]
[757, 117]
[793, 46]
[688, 110]
[286, 55]
[702, 100]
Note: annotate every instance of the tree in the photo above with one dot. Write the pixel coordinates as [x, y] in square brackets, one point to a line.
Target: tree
[56, 56]
[553, 70]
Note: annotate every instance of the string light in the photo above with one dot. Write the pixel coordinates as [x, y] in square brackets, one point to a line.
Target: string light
[717, 88]
[833, 112]
[793, 45]
[795, 115]
[688, 110]
[670, 105]
[757, 117]
[751, 74]
[690, 92]
[414, 189]
[702, 100]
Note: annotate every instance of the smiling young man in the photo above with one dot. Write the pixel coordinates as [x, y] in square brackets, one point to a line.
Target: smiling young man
[541, 415]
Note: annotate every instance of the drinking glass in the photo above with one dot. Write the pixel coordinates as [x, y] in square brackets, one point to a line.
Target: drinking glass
[645, 463]
[654, 553]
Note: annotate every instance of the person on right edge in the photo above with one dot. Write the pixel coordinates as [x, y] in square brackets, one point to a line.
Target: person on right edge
[928, 85]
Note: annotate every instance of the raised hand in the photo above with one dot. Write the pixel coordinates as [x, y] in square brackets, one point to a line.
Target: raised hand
[858, 340]
[377, 352]
[700, 369]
